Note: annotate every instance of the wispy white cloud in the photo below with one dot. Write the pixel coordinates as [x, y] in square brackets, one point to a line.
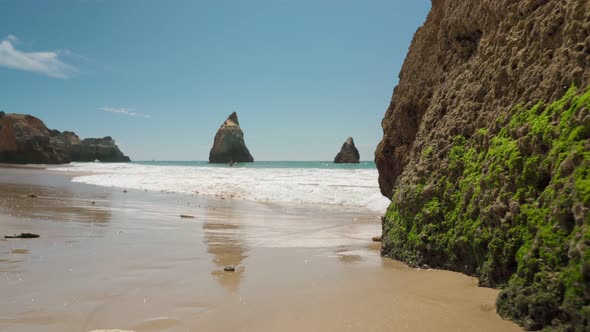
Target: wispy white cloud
[125, 111]
[46, 63]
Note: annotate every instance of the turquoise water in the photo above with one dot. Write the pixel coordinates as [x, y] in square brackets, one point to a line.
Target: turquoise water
[266, 164]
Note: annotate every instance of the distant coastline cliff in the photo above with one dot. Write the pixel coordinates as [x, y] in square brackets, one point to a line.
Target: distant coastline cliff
[485, 154]
[24, 139]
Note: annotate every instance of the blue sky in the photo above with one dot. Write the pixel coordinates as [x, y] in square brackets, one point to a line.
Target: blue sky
[161, 76]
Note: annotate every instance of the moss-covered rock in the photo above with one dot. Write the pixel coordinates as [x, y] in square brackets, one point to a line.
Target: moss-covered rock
[510, 207]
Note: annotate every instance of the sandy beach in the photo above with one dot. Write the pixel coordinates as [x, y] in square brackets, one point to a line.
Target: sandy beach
[108, 259]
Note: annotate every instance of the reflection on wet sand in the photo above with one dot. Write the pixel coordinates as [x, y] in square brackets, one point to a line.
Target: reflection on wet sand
[149, 270]
[224, 242]
[347, 256]
[13, 257]
[53, 204]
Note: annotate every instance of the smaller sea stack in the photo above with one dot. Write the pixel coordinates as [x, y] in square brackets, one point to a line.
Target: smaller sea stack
[229, 145]
[348, 153]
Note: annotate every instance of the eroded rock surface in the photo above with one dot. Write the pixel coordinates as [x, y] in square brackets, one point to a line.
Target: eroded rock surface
[485, 154]
[229, 145]
[472, 59]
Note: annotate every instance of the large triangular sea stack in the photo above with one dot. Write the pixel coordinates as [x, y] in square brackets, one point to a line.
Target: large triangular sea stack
[485, 154]
[348, 153]
[229, 143]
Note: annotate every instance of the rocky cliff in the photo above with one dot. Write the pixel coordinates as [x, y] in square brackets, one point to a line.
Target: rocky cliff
[24, 139]
[348, 153]
[485, 154]
[229, 144]
[103, 149]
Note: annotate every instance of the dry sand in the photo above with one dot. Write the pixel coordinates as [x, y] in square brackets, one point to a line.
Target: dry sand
[128, 261]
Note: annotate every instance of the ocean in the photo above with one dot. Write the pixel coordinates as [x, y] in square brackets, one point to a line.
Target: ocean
[299, 182]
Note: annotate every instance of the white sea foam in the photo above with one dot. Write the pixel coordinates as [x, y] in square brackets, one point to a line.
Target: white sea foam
[346, 187]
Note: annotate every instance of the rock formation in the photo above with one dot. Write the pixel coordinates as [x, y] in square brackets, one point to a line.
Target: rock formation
[229, 143]
[485, 154]
[103, 149]
[63, 142]
[348, 153]
[24, 139]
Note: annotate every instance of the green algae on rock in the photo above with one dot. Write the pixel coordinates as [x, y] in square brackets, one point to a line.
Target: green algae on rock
[510, 207]
[484, 154]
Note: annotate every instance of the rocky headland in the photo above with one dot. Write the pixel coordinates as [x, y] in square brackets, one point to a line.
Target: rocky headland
[348, 153]
[229, 145]
[24, 139]
[485, 154]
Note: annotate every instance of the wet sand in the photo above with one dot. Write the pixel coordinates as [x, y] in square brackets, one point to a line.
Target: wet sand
[129, 262]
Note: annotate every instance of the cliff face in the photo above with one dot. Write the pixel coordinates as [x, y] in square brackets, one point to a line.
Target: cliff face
[485, 153]
[348, 153]
[103, 149]
[24, 139]
[229, 144]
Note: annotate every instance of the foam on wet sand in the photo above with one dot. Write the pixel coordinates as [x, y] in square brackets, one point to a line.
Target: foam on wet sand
[292, 185]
